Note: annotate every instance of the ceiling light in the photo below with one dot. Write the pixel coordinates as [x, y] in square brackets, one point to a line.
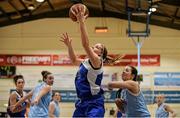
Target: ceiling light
[31, 7]
[40, 0]
[101, 29]
[152, 9]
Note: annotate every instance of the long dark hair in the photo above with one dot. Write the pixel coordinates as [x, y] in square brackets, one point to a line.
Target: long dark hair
[105, 52]
[134, 72]
[16, 77]
[53, 94]
[118, 93]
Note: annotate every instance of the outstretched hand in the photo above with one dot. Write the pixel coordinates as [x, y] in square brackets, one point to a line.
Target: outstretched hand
[65, 39]
[80, 13]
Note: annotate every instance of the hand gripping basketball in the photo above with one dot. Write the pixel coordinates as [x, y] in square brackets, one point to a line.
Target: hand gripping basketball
[72, 11]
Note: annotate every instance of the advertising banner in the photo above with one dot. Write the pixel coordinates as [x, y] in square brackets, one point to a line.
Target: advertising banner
[40, 60]
[167, 80]
[58, 60]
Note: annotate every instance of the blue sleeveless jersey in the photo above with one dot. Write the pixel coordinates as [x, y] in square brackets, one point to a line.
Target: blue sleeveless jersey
[41, 109]
[57, 109]
[161, 112]
[134, 106]
[88, 80]
[88, 88]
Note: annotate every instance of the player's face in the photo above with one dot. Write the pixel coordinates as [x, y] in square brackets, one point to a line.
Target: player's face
[159, 99]
[57, 97]
[127, 73]
[50, 79]
[20, 84]
[98, 49]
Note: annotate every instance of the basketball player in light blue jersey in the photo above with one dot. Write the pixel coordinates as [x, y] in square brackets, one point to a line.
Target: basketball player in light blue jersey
[132, 100]
[88, 78]
[40, 97]
[163, 109]
[54, 110]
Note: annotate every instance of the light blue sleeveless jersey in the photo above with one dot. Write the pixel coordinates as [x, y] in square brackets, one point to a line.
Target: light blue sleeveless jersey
[57, 109]
[88, 80]
[134, 106]
[161, 112]
[41, 109]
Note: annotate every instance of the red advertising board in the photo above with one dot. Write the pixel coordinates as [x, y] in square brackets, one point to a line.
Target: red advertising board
[146, 60]
[57, 60]
[25, 60]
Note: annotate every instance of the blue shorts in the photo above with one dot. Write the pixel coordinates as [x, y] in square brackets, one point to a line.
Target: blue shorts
[90, 108]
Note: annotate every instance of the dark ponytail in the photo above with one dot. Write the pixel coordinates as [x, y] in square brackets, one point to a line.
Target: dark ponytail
[53, 94]
[105, 52]
[134, 72]
[118, 93]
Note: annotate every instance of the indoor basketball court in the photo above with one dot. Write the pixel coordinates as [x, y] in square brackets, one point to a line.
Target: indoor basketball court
[59, 35]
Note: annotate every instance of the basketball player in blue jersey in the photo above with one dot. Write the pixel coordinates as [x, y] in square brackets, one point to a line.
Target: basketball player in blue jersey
[40, 97]
[54, 110]
[163, 109]
[90, 74]
[16, 96]
[132, 101]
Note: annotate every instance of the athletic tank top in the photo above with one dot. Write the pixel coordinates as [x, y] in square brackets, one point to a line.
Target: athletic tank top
[134, 106]
[41, 109]
[88, 80]
[161, 112]
[57, 109]
[23, 105]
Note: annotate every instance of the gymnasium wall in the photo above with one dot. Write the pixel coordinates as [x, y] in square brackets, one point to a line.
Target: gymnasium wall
[41, 37]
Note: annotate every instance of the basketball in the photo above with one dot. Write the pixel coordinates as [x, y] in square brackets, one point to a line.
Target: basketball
[72, 14]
